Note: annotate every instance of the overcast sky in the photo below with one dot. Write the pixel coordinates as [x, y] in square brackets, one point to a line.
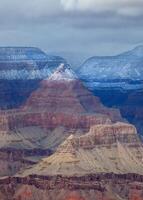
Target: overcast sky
[91, 27]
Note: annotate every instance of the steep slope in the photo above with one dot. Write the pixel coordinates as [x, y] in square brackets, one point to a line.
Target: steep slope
[21, 69]
[26, 63]
[62, 92]
[21, 147]
[104, 164]
[113, 148]
[61, 100]
[117, 80]
[59, 107]
[123, 71]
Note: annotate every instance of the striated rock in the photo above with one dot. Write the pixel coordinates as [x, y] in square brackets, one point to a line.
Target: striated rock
[23, 63]
[118, 81]
[61, 100]
[121, 72]
[101, 187]
[113, 148]
[59, 107]
[104, 164]
[21, 70]
[64, 93]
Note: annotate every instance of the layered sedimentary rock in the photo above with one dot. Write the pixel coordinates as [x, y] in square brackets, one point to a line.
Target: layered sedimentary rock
[61, 100]
[118, 81]
[87, 167]
[21, 147]
[61, 106]
[21, 70]
[123, 71]
[113, 148]
[64, 93]
[92, 187]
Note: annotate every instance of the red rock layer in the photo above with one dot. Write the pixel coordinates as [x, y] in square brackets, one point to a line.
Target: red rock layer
[101, 187]
[67, 97]
[60, 103]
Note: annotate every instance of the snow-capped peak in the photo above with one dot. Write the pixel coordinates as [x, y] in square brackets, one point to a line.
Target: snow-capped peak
[63, 73]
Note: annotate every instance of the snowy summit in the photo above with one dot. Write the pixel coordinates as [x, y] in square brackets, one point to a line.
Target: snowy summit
[63, 73]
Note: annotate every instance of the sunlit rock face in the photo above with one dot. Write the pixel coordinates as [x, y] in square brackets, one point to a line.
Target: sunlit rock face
[59, 103]
[111, 148]
[85, 168]
[61, 106]
[21, 69]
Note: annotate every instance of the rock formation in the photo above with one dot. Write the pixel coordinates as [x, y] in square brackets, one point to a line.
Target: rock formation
[113, 148]
[64, 93]
[85, 168]
[118, 81]
[92, 187]
[21, 70]
[106, 163]
[59, 107]
[123, 71]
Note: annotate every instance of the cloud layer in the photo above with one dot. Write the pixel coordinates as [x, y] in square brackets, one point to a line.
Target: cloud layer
[102, 25]
[124, 7]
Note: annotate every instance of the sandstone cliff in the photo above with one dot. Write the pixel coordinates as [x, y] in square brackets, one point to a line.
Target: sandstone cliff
[113, 148]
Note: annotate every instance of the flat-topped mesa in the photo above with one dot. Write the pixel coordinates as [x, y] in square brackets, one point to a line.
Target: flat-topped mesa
[91, 154]
[115, 129]
[118, 132]
[104, 134]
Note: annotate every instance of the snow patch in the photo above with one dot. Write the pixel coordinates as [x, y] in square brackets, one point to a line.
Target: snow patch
[63, 73]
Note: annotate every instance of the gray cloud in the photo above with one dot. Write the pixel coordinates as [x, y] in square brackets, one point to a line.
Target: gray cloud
[124, 7]
[89, 26]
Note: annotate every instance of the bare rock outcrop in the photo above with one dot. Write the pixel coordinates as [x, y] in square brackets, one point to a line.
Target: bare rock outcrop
[61, 101]
[113, 148]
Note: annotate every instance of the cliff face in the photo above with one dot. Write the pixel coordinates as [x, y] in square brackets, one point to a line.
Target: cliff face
[92, 187]
[61, 106]
[130, 104]
[61, 100]
[21, 70]
[113, 148]
[67, 97]
[104, 164]
[118, 81]
[64, 93]
[122, 72]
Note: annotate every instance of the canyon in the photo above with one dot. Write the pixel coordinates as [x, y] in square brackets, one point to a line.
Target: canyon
[117, 80]
[61, 106]
[84, 168]
[21, 70]
[63, 138]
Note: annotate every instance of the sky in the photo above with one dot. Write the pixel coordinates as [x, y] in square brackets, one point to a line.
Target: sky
[79, 27]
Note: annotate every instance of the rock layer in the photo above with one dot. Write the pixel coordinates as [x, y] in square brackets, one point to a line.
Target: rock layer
[106, 164]
[118, 81]
[92, 187]
[21, 70]
[59, 107]
[113, 148]
[67, 95]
